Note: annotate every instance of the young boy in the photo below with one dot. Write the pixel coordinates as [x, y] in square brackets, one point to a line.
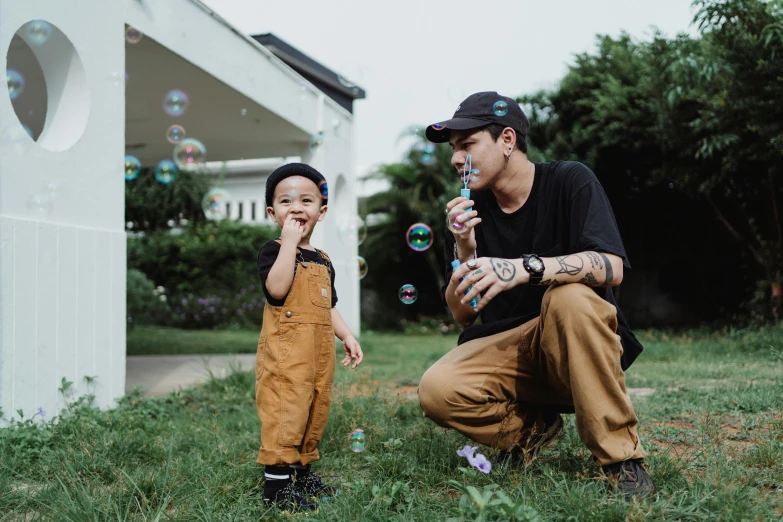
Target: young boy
[296, 351]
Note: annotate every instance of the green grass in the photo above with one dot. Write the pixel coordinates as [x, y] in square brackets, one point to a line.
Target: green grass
[713, 429]
[156, 340]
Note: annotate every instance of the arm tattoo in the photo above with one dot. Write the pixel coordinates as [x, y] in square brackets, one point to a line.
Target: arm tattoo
[571, 264]
[609, 272]
[595, 260]
[505, 270]
[547, 282]
[589, 279]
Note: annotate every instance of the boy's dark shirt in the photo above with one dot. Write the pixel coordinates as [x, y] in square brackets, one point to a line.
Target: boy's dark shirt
[567, 212]
[267, 257]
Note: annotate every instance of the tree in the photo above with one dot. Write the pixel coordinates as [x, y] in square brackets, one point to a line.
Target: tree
[151, 205]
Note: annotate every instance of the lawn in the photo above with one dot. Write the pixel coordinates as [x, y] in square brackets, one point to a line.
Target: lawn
[709, 407]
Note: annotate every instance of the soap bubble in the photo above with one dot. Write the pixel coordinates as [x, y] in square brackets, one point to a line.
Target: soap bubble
[500, 108]
[361, 267]
[426, 152]
[243, 112]
[175, 134]
[175, 103]
[132, 168]
[165, 172]
[324, 188]
[455, 226]
[133, 35]
[315, 142]
[41, 204]
[438, 126]
[214, 204]
[188, 153]
[38, 32]
[358, 441]
[15, 83]
[475, 175]
[419, 237]
[408, 294]
[352, 230]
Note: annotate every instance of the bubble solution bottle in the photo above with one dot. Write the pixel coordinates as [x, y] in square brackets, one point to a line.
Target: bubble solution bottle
[473, 302]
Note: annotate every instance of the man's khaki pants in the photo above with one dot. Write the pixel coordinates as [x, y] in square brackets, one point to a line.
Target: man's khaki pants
[496, 390]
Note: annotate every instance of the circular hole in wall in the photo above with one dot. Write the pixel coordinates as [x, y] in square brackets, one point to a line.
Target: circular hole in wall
[47, 85]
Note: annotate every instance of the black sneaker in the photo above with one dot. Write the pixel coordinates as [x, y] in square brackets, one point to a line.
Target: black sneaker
[631, 478]
[292, 497]
[537, 439]
[312, 485]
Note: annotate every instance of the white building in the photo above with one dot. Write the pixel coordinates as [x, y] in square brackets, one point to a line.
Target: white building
[62, 235]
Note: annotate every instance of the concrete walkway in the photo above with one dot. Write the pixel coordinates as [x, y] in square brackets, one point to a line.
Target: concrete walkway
[161, 374]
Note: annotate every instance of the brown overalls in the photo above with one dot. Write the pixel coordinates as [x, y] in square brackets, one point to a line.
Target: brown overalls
[295, 367]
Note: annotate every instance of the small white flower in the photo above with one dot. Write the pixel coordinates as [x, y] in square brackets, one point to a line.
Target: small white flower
[163, 298]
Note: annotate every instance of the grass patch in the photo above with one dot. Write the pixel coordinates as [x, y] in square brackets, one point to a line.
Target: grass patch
[158, 340]
[713, 430]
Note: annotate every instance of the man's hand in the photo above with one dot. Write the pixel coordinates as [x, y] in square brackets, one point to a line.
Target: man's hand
[466, 240]
[292, 231]
[353, 352]
[492, 276]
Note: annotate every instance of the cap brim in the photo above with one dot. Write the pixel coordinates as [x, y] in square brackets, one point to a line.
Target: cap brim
[442, 135]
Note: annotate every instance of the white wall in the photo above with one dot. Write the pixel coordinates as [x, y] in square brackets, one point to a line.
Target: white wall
[62, 239]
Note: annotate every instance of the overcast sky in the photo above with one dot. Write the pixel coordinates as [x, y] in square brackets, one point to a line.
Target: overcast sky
[417, 59]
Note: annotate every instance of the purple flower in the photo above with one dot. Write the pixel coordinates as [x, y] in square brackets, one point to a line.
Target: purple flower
[184, 301]
[202, 301]
[482, 464]
[212, 309]
[41, 411]
[478, 461]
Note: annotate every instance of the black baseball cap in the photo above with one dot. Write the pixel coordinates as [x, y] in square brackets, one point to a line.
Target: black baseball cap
[296, 169]
[478, 110]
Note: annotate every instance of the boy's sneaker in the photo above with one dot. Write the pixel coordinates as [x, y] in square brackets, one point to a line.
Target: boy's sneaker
[312, 485]
[631, 478]
[292, 497]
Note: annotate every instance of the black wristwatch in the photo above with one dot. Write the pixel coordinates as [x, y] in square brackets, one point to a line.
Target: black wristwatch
[534, 267]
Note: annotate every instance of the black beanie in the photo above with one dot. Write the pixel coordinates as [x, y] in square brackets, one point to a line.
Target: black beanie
[295, 169]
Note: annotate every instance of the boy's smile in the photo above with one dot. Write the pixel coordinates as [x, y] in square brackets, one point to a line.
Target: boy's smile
[300, 197]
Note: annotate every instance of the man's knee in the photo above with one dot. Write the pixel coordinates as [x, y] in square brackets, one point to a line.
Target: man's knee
[573, 300]
[435, 386]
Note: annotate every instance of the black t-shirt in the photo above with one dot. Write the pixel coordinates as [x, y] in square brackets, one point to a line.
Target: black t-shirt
[267, 257]
[567, 212]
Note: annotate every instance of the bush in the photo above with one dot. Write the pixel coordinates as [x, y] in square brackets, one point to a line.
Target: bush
[146, 304]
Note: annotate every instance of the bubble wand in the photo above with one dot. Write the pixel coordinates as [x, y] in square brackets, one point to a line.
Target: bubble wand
[466, 170]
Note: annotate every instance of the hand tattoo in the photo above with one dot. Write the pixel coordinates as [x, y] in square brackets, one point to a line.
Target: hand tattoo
[609, 271]
[571, 264]
[505, 270]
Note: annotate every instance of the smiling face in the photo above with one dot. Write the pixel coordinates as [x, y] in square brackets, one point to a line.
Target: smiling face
[486, 154]
[300, 197]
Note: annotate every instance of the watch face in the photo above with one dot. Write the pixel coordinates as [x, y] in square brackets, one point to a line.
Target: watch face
[535, 263]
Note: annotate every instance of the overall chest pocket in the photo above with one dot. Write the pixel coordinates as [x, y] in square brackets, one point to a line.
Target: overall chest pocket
[320, 291]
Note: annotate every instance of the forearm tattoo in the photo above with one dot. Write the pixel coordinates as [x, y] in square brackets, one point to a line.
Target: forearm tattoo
[570, 265]
[505, 270]
[589, 279]
[609, 272]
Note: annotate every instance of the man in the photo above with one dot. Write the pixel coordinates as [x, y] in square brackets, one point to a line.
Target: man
[541, 250]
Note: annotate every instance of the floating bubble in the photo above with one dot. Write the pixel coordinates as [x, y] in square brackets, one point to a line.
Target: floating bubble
[41, 204]
[419, 237]
[438, 126]
[475, 175]
[38, 32]
[165, 172]
[411, 131]
[133, 35]
[28, 130]
[408, 294]
[427, 159]
[500, 108]
[455, 226]
[188, 153]
[358, 441]
[352, 230]
[214, 204]
[175, 134]
[361, 267]
[324, 188]
[243, 112]
[132, 168]
[315, 142]
[15, 83]
[176, 103]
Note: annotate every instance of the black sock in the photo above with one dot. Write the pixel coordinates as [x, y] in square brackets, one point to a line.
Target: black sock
[276, 478]
[298, 470]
